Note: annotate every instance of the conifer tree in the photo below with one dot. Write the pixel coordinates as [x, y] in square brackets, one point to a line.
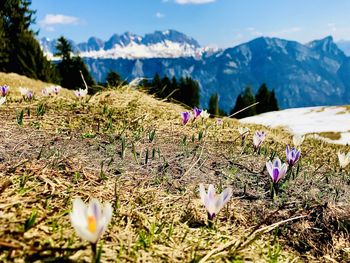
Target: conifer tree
[113, 79]
[70, 67]
[175, 87]
[156, 84]
[244, 100]
[273, 102]
[190, 93]
[239, 105]
[263, 97]
[185, 90]
[267, 100]
[213, 106]
[19, 50]
[165, 87]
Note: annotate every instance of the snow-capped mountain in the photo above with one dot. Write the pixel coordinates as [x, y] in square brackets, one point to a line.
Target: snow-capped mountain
[312, 74]
[160, 44]
[317, 73]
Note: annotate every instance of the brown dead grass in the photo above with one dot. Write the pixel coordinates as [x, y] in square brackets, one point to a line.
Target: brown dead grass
[15, 81]
[74, 150]
[331, 135]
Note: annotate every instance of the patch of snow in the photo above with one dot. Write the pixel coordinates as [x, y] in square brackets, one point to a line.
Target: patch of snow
[228, 71]
[273, 43]
[232, 64]
[165, 49]
[138, 69]
[308, 120]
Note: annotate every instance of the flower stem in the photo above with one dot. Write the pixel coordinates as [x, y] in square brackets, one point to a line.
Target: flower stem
[211, 220]
[94, 252]
[274, 190]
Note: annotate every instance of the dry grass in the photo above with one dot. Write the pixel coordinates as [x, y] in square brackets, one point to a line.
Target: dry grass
[14, 81]
[331, 135]
[74, 150]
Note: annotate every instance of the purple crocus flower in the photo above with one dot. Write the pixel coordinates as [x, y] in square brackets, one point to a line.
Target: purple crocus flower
[293, 155]
[276, 169]
[45, 92]
[186, 116]
[258, 139]
[56, 89]
[212, 201]
[219, 121]
[4, 90]
[30, 95]
[196, 113]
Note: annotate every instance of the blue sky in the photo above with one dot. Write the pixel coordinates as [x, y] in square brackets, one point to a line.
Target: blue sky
[221, 23]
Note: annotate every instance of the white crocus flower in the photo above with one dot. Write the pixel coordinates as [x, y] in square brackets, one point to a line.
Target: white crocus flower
[298, 140]
[214, 202]
[46, 92]
[2, 100]
[276, 170]
[24, 91]
[258, 139]
[55, 89]
[81, 93]
[344, 159]
[243, 131]
[205, 114]
[90, 221]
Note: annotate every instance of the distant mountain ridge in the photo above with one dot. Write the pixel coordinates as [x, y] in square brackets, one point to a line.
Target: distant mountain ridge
[344, 45]
[169, 43]
[312, 74]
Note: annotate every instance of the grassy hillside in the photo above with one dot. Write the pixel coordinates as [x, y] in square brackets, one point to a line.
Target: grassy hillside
[75, 148]
[15, 81]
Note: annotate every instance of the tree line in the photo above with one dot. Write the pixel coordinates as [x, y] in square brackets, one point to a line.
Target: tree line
[265, 99]
[266, 102]
[185, 89]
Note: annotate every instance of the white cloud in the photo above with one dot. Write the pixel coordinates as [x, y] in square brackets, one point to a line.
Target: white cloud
[197, 2]
[159, 15]
[252, 31]
[57, 19]
[339, 32]
[286, 32]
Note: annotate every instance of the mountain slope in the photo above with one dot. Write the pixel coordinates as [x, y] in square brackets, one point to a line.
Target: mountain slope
[302, 75]
[317, 73]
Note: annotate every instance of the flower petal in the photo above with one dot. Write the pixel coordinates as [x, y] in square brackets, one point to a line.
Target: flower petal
[226, 195]
[211, 192]
[275, 174]
[94, 209]
[79, 213]
[269, 167]
[276, 163]
[204, 196]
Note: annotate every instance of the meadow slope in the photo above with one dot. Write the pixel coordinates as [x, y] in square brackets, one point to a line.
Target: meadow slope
[128, 148]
